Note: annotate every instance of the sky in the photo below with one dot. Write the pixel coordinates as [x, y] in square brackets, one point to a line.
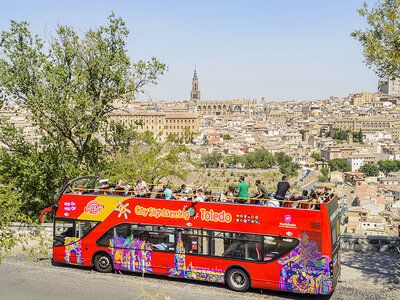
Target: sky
[280, 50]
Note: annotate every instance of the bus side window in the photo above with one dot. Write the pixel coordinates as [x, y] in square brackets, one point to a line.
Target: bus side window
[162, 238]
[84, 227]
[63, 229]
[121, 230]
[194, 241]
[236, 245]
[275, 246]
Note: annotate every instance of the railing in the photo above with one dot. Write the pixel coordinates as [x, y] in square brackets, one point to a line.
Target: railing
[271, 202]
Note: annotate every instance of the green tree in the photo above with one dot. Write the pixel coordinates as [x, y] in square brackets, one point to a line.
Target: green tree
[260, 158]
[212, 159]
[387, 166]
[226, 136]
[289, 168]
[380, 39]
[339, 164]
[233, 160]
[316, 156]
[325, 171]
[68, 87]
[9, 209]
[149, 158]
[369, 170]
[303, 133]
[282, 157]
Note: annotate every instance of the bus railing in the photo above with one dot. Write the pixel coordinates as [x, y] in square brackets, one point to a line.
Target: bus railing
[211, 197]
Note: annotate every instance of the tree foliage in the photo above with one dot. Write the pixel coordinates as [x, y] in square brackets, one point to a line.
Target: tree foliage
[316, 156]
[152, 159]
[68, 87]
[381, 38]
[212, 159]
[259, 158]
[369, 170]
[387, 166]
[339, 164]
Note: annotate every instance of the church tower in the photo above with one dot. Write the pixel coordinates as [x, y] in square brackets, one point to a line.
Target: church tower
[195, 93]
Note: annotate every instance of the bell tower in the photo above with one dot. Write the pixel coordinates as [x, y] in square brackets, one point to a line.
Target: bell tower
[195, 93]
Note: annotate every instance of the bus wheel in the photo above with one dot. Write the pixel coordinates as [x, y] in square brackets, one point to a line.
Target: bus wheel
[103, 263]
[237, 280]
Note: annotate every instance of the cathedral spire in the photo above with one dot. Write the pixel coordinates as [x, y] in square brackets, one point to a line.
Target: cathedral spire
[195, 93]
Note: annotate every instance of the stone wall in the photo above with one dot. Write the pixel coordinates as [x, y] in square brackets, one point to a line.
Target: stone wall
[365, 243]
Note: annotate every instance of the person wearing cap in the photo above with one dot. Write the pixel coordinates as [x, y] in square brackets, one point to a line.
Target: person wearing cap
[242, 190]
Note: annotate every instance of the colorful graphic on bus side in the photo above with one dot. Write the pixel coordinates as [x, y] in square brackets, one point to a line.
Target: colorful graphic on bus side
[73, 248]
[180, 270]
[305, 270]
[131, 254]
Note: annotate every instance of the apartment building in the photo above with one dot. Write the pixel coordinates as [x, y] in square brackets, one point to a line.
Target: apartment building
[161, 123]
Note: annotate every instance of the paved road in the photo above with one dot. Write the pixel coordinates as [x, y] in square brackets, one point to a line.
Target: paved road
[364, 276]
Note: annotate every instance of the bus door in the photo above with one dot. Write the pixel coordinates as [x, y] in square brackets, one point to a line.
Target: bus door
[69, 243]
[334, 220]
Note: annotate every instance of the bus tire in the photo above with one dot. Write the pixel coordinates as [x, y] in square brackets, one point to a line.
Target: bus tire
[103, 263]
[237, 280]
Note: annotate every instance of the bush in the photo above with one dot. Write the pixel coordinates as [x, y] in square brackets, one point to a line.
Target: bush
[323, 178]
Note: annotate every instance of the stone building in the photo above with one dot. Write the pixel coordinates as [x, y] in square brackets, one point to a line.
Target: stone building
[218, 107]
[161, 123]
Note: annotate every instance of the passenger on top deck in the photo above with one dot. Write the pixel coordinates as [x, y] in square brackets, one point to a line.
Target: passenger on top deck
[123, 185]
[327, 195]
[314, 200]
[262, 193]
[230, 194]
[168, 192]
[200, 197]
[141, 187]
[242, 190]
[282, 188]
[104, 186]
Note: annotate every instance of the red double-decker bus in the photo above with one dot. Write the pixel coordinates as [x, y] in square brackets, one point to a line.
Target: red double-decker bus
[241, 245]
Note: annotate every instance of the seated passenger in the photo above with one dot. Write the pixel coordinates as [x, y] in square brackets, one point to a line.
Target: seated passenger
[168, 192]
[230, 194]
[271, 202]
[200, 197]
[141, 188]
[223, 197]
[124, 186]
[314, 200]
[303, 198]
[327, 194]
[80, 189]
[104, 186]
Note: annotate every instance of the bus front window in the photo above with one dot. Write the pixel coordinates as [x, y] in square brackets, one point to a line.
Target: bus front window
[63, 229]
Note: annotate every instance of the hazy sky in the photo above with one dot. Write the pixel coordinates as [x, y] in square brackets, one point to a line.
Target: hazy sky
[292, 49]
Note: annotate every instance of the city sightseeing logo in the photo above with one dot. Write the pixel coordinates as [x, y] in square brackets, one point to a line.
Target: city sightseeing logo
[287, 224]
[93, 207]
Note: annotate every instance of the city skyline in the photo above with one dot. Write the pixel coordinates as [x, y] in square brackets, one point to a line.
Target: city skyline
[280, 51]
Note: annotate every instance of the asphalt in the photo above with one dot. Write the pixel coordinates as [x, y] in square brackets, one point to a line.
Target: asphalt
[364, 276]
